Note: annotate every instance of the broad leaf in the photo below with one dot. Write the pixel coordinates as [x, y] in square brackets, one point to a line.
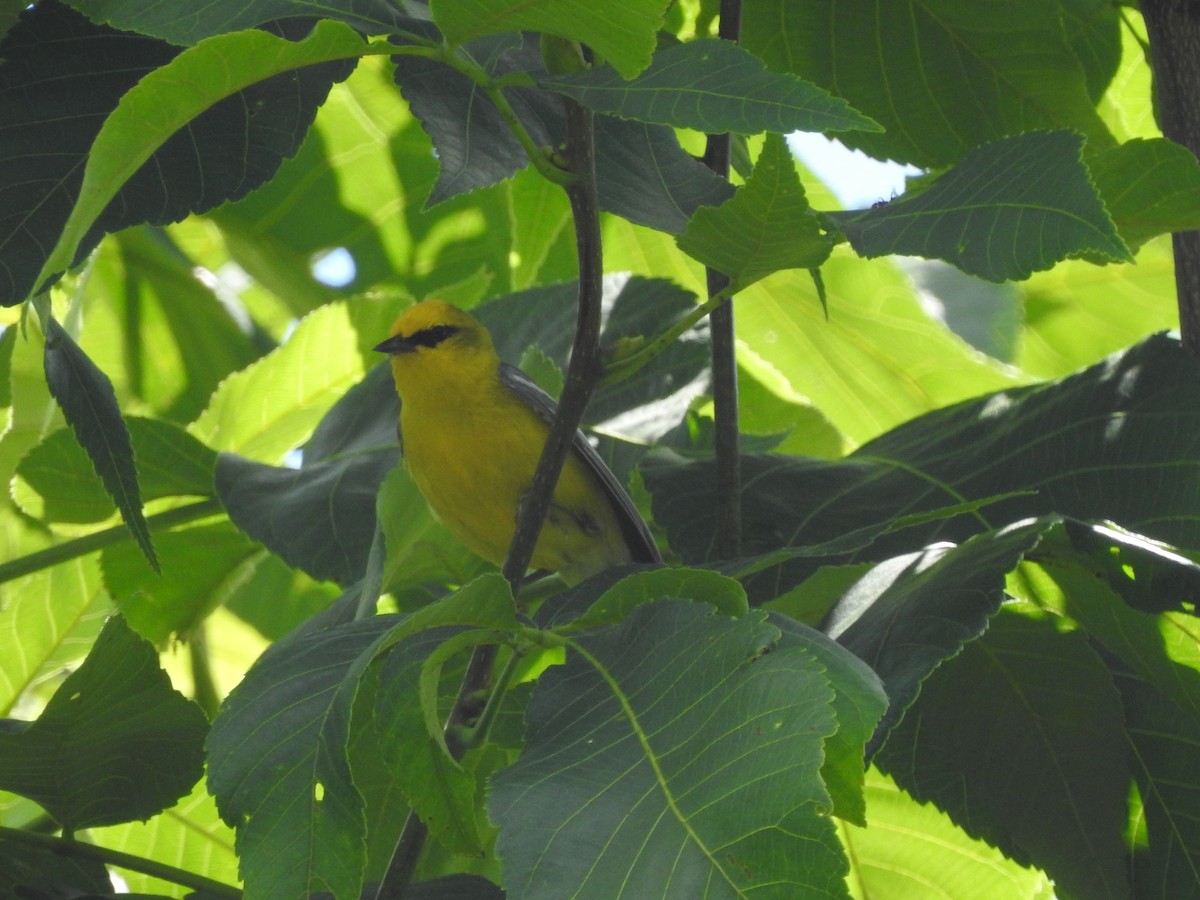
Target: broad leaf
[116, 742]
[1010, 208]
[295, 807]
[712, 86]
[909, 846]
[181, 27]
[1163, 763]
[274, 404]
[167, 101]
[939, 75]
[1149, 188]
[1087, 446]
[766, 226]
[57, 482]
[623, 33]
[63, 75]
[89, 405]
[624, 783]
[1044, 775]
[909, 614]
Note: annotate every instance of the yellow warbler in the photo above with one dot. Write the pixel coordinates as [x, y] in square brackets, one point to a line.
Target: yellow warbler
[472, 430]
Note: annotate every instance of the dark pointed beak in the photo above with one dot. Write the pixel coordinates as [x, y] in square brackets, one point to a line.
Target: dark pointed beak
[397, 343]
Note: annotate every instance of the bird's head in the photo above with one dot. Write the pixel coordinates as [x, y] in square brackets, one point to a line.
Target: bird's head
[433, 342]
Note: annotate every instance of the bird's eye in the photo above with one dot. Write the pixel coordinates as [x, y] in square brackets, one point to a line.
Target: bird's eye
[432, 336]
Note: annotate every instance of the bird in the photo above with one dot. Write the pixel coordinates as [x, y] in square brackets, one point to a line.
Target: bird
[472, 430]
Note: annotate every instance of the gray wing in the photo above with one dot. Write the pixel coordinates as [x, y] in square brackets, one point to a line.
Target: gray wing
[637, 536]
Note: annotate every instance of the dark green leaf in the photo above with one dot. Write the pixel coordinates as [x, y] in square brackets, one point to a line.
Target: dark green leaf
[89, 405]
[321, 516]
[1164, 764]
[625, 785]
[642, 172]
[37, 872]
[941, 76]
[188, 27]
[766, 227]
[289, 794]
[78, 72]
[910, 613]
[1020, 740]
[63, 480]
[1009, 209]
[1090, 446]
[712, 86]
[621, 33]
[1150, 187]
[116, 743]
[1093, 30]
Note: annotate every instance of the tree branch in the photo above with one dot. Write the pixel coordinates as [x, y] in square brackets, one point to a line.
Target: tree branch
[724, 350]
[1173, 27]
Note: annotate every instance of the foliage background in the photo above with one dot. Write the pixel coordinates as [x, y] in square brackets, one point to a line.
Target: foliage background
[219, 338]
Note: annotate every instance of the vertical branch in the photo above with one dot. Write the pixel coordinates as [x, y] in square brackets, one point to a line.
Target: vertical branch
[724, 355]
[1173, 27]
[583, 372]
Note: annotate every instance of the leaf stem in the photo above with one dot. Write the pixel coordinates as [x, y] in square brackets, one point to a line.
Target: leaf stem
[79, 850]
[98, 540]
[724, 349]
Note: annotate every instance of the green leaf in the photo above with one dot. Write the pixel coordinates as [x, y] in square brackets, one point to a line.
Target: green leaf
[940, 76]
[859, 702]
[1089, 446]
[1010, 208]
[56, 482]
[910, 613]
[169, 98]
[222, 16]
[36, 871]
[271, 406]
[297, 813]
[1149, 187]
[1163, 763]
[158, 607]
[622, 33]
[116, 742]
[86, 398]
[712, 86]
[1053, 727]
[910, 846]
[724, 594]
[624, 784]
[767, 226]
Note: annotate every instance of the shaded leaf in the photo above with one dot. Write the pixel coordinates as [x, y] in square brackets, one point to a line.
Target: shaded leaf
[767, 226]
[186, 27]
[31, 871]
[910, 613]
[64, 75]
[297, 813]
[168, 103]
[89, 405]
[1163, 763]
[57, 482]
[1010, 208]
[713, 86]
[621, 33]
[1089, 446]
[1044, 775]
[116, 742]
[320, 517]
[940, 76]
[626, 764]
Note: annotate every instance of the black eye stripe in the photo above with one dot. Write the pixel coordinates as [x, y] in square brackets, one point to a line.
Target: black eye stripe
[432, 336]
